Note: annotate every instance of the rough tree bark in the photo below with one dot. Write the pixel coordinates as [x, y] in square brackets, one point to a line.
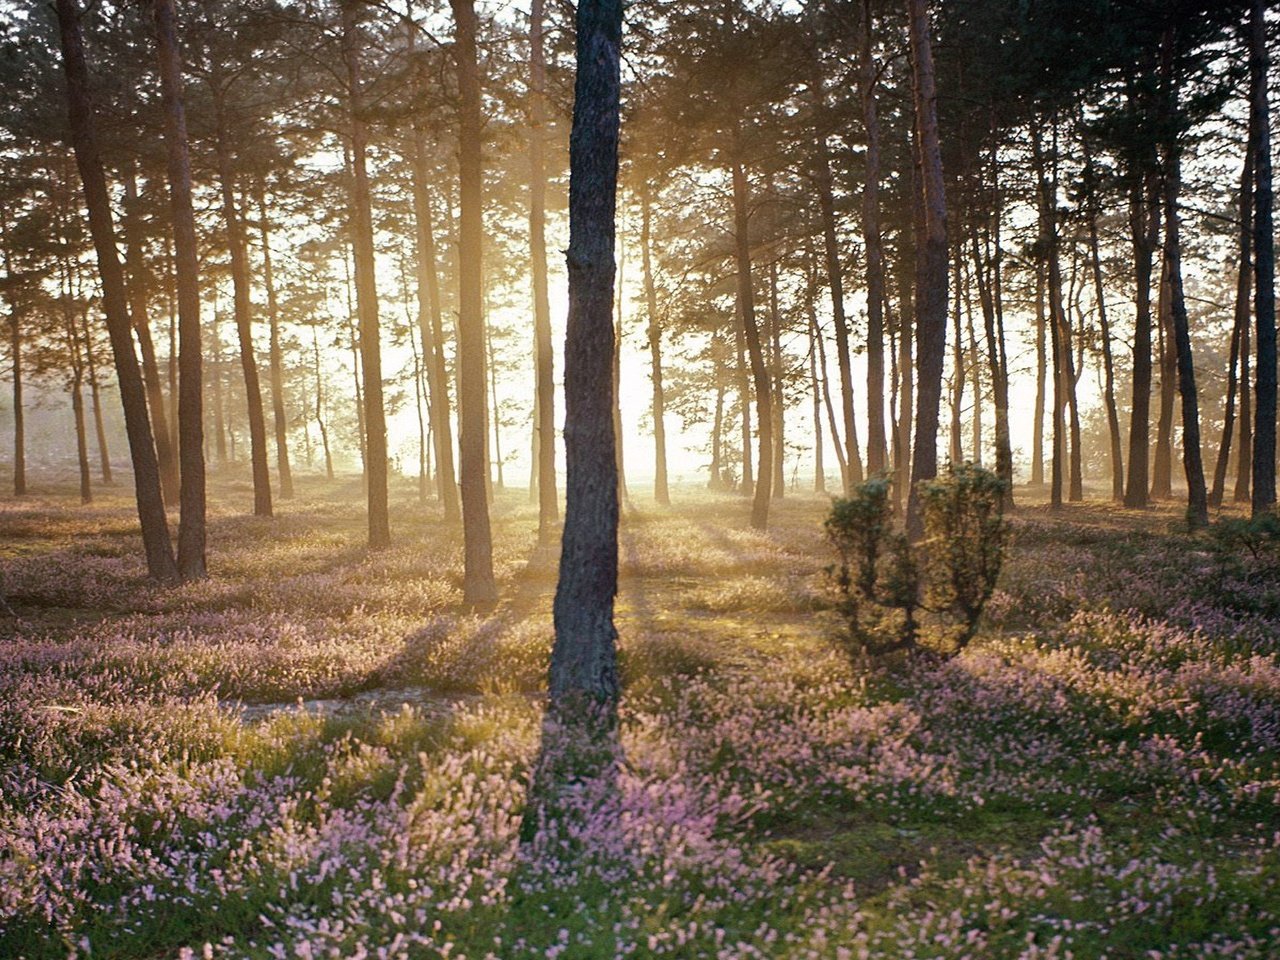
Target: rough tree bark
[584, 670]
[877, 446]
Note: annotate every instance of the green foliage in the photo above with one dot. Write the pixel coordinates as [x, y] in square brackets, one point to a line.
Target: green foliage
[890, 590]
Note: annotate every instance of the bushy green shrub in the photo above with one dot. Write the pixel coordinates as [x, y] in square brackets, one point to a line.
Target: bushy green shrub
[893, 594]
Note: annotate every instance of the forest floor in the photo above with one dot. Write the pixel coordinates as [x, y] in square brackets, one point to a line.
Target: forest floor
[318, 752]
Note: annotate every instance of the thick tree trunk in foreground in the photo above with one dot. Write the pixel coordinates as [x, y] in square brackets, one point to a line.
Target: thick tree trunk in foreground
[155, 529]
[375, 419]
[191, 526]
[584, 668]
[1264, 294]
[478, 583]
[544, 358]
[931, 281]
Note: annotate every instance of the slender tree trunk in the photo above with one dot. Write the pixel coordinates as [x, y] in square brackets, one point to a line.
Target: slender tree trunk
[715, 480]
[137, 289]
[1264, 294]
[431, 332]
[1144, 224]
[835, 282]
[544, 362]
[219, 414]
[779, 396]
[584, 670]
[976, 368]
[744, 402]
[877, 448]
[15, 361]
[1108, 361]
[819, 470]
[906, 388]
[375, 420]
[76, 389]
[1162, 465]
[1197, 505]
[931, 283]
[1037, 435]
[1239, 333]
[95, 394]
[319, 410]
[155, 530]
[661, 491]
[619, 445]
[478, 583]
[755, 351]
[243, 311]
[956, 447]
[280, 420]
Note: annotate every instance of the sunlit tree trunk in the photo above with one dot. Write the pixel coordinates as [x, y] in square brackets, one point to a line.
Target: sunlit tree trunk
[280, 420]
[1162, 463]
[1237, 379]
[155, 531]
[661, 491]
[95, 396]
[319, 408]
[751, 334]
[478, 583]
[1108, 362]
[375, 420]
[544, 358]
[137, 289]
[243, 308]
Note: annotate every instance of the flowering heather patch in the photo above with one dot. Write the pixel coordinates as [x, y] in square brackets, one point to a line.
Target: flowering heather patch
[1091, 779]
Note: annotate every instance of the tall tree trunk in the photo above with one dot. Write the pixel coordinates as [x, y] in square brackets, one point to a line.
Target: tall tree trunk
[219, 412]
[877, 448]
[931, 282]
[956, 447]
[1264, 294]
[1197, 505]
[280, 420]
[1144, 225]
[136, 279]
[751, 334]
[1162, 464]
[1108, 362]
[95, 393]
[478, 583]
[319, 409]
[976, 368]
[1239, 332]
[835, 283]
[619, 445]
[906, 387]
[15, 361]
[243, 310]
[819, 469]
[779, 396]
[375, 419]
[544, 362]
[661, 491]
[1037, 435]
[431, 332]
[155, 529]
[584, 672]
